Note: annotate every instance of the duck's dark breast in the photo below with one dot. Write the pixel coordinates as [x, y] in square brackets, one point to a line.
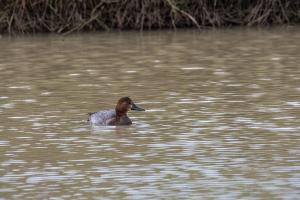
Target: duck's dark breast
[125, 120]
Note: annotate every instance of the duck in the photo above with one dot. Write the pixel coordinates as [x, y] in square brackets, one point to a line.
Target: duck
[114, 117]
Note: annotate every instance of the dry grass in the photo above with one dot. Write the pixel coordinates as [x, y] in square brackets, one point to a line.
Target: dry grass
[66, 16]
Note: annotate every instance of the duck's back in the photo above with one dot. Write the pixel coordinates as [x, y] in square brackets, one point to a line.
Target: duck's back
[103, 117]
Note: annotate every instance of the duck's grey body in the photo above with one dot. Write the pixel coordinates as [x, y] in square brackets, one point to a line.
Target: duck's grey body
[103, 117]
[107, 117]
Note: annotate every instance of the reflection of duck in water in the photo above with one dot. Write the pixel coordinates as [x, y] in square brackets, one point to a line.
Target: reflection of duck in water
[117, 116]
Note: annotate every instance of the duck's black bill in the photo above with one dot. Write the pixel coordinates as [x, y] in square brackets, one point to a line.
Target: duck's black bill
[136, 108]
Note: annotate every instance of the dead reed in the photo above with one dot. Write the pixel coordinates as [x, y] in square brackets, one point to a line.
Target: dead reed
[66, 16]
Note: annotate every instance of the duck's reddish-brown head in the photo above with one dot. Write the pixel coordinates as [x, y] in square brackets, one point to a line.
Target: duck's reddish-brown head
[124, 105]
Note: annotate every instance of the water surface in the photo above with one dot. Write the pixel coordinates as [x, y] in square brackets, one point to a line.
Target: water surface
[222, 119]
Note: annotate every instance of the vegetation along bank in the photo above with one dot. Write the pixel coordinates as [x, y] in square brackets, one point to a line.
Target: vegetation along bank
[66, 16]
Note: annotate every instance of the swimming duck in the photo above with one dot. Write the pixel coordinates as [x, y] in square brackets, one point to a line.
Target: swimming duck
[117, 116]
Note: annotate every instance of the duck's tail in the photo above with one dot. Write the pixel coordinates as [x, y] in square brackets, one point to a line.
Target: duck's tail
[89, 114]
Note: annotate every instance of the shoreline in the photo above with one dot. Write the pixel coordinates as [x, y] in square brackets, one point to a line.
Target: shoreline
[158, 31]
[283, 27]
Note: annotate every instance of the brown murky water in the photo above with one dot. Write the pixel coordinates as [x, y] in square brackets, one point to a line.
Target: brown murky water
[222, 119]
